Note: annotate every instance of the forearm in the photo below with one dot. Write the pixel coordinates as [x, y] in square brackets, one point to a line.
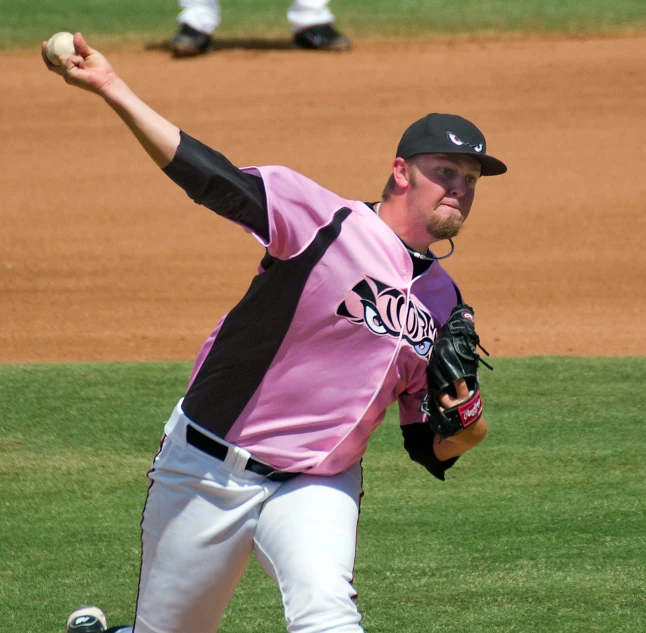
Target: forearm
[89, 70]
[459, 444]
[157, 136]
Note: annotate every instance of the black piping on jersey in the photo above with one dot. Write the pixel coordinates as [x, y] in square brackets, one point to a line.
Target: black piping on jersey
[252, 334]
[458, 294]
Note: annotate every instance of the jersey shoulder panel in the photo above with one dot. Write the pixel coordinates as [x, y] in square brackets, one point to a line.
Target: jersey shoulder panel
[297, 208]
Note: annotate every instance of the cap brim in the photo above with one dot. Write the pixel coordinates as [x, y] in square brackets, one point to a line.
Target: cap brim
[490, 166]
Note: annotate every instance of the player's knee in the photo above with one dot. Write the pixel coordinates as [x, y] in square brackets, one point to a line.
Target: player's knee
[320, 613]
[322, 601]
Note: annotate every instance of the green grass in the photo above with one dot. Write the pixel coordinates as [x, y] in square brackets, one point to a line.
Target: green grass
[27, 22]
[539, 530]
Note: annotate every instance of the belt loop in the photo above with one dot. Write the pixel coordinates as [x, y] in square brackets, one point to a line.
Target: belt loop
[175, 427]
[236, 459]
[231, 459]
[241, 458]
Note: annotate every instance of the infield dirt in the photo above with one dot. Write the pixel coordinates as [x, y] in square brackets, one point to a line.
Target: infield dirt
[103, 258]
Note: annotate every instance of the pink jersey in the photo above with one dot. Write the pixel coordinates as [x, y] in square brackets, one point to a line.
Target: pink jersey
[333, 330]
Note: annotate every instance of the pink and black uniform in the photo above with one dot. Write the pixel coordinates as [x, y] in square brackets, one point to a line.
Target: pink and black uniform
[337, 325]
[263, 453]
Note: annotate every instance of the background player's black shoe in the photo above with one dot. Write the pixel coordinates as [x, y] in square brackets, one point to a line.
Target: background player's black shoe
[322, 37]
[188, 42]
[87, 619]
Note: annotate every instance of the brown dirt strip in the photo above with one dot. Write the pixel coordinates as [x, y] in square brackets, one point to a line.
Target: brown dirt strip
[103, 258]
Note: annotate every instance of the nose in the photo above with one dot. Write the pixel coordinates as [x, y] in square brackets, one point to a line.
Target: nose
[458, 187]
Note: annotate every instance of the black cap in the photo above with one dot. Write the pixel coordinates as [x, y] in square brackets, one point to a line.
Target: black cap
[448, 134]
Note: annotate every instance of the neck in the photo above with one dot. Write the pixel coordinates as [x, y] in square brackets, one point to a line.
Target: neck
[383, 211]
[399, 221]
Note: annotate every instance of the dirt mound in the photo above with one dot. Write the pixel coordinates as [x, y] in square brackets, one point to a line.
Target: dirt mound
[103, 258]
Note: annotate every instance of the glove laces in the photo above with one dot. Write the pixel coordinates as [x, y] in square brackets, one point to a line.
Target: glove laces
[476, 356]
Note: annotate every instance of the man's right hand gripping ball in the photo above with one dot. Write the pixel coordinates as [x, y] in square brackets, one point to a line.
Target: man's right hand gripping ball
[454, 359]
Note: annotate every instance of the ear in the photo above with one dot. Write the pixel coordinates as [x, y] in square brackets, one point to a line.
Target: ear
[401, 173]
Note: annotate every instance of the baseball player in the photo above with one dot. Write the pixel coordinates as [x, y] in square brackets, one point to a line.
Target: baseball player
[311, 20]
[262, 454]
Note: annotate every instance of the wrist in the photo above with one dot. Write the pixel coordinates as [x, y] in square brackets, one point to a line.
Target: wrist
[114, 90]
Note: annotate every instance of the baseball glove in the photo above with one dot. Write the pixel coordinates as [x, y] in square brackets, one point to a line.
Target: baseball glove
[454, 357]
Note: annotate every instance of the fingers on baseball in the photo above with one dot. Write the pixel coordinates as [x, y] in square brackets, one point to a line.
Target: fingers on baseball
[43, 52]
[59, 70]
[81, 46]
[67, 62]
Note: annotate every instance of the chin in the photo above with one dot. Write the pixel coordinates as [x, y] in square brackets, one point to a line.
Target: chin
[444, 228]
[445, 235]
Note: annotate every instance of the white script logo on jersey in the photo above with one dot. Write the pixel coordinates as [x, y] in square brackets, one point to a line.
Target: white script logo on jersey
[383, 310]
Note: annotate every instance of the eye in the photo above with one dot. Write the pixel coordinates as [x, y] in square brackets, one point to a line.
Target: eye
[455, 139]
[373, 320]
[472, 180]
[478, 147]
[423, 347]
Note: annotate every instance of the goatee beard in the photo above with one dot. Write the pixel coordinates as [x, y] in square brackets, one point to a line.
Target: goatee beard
[444, 228]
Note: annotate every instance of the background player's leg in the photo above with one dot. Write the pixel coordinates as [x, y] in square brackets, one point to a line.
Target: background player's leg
[306, 541]
[197, 21]
[197, 536]
[202, 15]
[305, 13]
[311, 22]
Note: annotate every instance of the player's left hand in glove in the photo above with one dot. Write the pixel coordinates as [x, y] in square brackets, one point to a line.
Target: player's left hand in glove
[454, 366]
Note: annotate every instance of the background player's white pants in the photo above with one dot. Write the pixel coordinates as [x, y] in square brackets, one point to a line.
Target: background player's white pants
[204, 518]
[204, 15]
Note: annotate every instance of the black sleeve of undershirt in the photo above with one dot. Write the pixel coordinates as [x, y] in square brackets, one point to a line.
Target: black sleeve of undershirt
[418, 441]
[210, 179]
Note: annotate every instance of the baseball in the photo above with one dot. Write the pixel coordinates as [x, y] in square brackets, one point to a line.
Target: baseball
[60, 44]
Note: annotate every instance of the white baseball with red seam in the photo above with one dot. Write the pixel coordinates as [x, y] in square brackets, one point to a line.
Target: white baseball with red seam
[60, 44]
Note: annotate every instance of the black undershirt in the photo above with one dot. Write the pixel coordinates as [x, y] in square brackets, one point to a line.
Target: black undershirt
[210, 179]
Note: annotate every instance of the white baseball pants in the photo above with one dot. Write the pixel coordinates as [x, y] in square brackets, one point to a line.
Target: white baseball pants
[203, 519]
[204, 15]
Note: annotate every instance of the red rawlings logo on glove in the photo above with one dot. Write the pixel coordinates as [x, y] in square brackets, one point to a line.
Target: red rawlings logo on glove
[470, 410]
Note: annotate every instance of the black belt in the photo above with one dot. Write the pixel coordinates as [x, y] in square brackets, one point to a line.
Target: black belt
[219, 451]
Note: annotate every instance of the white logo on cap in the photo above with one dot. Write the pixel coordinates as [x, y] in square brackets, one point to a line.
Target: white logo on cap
[457, 141]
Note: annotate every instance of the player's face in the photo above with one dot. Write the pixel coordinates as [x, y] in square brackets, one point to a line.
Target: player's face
[441, 191]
